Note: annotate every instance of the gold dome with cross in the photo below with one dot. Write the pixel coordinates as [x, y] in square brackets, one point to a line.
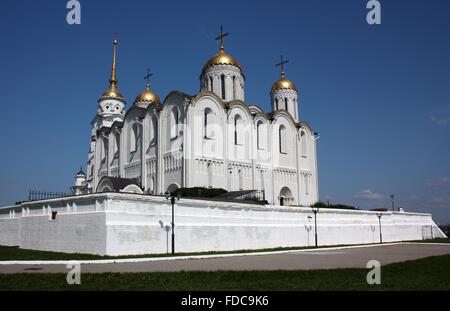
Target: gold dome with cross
[283, 83]
[222, 58]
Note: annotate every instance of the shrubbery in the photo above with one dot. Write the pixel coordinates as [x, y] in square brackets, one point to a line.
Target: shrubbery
[199, 192]
[338, 206]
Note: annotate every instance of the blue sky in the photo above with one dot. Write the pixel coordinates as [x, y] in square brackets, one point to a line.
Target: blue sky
[378, 95]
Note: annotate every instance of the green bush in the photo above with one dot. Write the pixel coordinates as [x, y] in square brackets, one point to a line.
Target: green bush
[338, 206]
[199, 192]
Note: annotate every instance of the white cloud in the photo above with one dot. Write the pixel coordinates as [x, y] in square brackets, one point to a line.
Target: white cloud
[441, 182]
[440, 120]
[369, 195]
[441, 200]
[441, 117]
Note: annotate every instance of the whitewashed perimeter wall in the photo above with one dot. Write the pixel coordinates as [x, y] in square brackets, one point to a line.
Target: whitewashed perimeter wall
[119, 224]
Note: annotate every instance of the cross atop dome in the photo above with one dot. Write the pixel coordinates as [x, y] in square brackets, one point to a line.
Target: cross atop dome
[281, 65]
[148, 76]
[147, 96]
[221, 36]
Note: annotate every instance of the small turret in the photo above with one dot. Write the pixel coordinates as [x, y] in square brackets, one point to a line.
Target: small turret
[80, 183]
[284, 94]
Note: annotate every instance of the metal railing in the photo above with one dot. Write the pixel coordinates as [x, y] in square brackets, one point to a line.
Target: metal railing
[244, 195]
[36, 195]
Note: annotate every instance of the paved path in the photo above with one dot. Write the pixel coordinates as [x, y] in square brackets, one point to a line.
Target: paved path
[304, 260]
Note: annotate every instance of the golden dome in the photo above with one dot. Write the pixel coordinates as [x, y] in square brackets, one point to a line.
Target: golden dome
[283, 84]
[222, 58]
[147, 97]
[112, 93]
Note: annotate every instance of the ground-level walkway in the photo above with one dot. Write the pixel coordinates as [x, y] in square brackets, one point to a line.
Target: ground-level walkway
[325, 258]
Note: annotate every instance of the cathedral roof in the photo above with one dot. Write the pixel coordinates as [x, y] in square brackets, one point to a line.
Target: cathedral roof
[146, 98]
[112, 93]
[222, 58]
[283, 84]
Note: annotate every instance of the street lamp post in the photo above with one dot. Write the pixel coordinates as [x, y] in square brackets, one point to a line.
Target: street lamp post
[172, 198]
[379, 215]
[315, 211]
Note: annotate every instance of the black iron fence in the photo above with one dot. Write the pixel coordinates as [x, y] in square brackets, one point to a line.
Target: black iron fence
[36, 195]
[244, 195]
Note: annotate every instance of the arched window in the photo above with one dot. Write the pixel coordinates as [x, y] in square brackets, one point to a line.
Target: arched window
[304, 144]
[285, 104]
[153, 128]
[237, 130]
[206, 123]
[234, 87]
[222, 80]
[259, 136]
[104, 149]
[282, 139]
[276, 103]
[211, 84]
[115, 148]
[134, 137]
[174, 123]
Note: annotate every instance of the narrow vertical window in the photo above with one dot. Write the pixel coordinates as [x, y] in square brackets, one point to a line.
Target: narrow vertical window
[133, 138]
[282, 139]
[304, 144]
[259, 136]
[222, 79]
[234, 87]
[211, 84]
[235, 131]
[276, 104]
[153, 131]
[285, 104]
[103, 151]
[238, 131]
[174, 123]
[206, 124]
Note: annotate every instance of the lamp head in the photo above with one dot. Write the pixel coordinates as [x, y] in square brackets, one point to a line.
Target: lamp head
[167, 194]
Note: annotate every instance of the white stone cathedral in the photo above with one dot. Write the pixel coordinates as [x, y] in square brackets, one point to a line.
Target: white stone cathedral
[212, 139]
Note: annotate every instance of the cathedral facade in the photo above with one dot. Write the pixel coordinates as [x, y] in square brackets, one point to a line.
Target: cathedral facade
[212, 139]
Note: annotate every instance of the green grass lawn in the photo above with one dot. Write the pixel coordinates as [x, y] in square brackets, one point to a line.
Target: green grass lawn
[15, 253]
[432, 273]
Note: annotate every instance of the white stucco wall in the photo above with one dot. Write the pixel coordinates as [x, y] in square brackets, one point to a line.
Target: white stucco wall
[119, 224]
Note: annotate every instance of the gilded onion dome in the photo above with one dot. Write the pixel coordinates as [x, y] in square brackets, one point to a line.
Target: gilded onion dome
[283, 84]
[147, 97]
[222, 58]
[112, 92]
